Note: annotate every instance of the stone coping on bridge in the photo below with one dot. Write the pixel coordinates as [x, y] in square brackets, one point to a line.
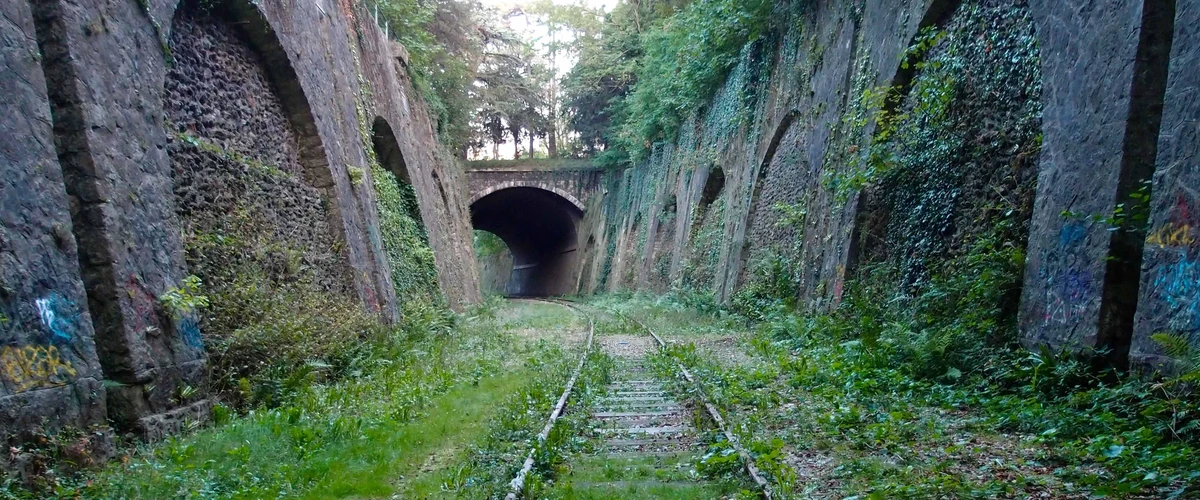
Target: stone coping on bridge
[539, 165]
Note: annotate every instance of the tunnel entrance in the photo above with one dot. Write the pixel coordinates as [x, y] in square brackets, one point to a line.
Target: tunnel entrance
[540, 229]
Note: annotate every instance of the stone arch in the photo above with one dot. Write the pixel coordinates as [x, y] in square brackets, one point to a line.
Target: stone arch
[391, 158]
[714, 185]
[529, 184]
[243, 140]
[759, 214]
[540, 228]
[387, 149]
[969, 153]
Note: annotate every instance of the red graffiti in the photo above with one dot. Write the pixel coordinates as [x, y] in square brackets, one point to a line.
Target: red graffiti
[145, 316]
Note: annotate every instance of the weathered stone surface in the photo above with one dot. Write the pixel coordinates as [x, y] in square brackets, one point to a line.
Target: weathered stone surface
[238, 171]
[439, 182]
[294, 88]
[1170, 283]
[1088, 52]
[576, 185]
[1099, 66]
[107, 64]
[49, 370]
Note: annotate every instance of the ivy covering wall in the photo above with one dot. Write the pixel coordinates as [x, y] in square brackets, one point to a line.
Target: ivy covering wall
[404, 239]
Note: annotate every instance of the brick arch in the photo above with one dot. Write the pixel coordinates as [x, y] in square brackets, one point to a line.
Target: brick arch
[530, 184]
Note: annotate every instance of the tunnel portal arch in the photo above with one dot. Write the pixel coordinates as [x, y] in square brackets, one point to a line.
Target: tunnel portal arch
[540, 228]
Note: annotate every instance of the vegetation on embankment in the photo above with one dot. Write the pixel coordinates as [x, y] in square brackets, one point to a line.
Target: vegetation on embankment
[439, 403]
[892, 395]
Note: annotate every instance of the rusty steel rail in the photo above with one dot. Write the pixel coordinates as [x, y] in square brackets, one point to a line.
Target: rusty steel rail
[518, 482]
[747, 460]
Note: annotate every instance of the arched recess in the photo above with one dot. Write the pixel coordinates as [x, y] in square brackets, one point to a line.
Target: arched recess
[954, 160]
[251, 176]
[494, 261]
[706, 232]
[763, 218]
[714, 185]
[540, 228]
[403, 232]
[391, 158]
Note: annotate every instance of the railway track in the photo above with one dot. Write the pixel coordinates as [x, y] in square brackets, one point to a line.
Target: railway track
[638, 423]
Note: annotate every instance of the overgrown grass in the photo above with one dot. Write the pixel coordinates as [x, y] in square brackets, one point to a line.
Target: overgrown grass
[415, 400]
[923, 391]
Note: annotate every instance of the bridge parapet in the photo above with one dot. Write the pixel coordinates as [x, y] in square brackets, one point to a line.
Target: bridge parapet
[575, 181]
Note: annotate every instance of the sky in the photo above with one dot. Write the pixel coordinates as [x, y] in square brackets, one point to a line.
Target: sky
[607, 5]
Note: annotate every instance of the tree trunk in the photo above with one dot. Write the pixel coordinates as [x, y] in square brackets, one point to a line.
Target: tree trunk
[516, 133]
[530, 144]
[552, 113]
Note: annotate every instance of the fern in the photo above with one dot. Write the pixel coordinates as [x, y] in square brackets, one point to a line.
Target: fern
[1186, 358]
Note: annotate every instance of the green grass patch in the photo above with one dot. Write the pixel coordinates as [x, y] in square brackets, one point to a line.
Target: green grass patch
[406, 412]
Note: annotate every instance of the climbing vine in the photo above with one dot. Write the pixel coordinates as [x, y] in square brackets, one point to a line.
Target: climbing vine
[404, 240]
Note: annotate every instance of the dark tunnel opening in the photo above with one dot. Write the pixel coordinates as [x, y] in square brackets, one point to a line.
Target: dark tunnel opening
[540, 229]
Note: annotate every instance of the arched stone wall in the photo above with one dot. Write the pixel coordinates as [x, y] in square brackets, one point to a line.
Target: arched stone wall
[251, 180]
[530, 184]
[100, 83]
[540, 229]
[962, 120]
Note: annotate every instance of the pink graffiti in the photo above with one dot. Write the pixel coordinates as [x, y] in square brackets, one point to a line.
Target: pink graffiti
[145, 315]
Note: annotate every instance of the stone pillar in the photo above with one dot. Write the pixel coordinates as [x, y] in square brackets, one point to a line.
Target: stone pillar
[1170, 283]
[49, 371]
[107, 62]
[1102, 101]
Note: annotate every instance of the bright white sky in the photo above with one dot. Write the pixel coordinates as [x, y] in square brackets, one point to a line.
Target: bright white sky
[607, 5]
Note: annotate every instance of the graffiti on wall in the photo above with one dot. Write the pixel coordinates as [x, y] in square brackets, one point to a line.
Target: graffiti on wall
[1069, 290]
[1175, 269]
[1177, 284]
[145, 318]
[189, 329]
[41, 364]
[35, 367]
[1179, 231]
[59, 317]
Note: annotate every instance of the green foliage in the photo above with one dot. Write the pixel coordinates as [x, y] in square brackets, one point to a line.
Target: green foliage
[864, 368]
[357, 175]
[1132, 215]
[1186, 357]
[185, 300]
[488, 244]
[413, 394]
[206, 145]
[686, 59]
[770, 288]
[404, 239]
[699, 271]
[441, 40]
[652, 65]
[931, 96]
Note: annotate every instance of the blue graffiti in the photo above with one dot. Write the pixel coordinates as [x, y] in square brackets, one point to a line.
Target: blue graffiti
[1071, 233]
[58, 316]
[1179, 286]
[189, 329]
[1076, 285]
